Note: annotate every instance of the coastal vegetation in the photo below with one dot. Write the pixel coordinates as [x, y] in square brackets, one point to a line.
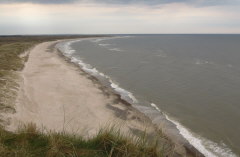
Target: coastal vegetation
[28, 141]
[10, 63]
[12, 59]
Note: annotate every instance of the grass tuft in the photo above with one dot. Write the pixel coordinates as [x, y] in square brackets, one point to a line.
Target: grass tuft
[28, 141]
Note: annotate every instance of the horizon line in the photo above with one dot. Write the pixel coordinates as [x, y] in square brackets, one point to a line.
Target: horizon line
[55, 34]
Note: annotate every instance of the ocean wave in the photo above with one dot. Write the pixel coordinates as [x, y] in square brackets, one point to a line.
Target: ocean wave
[86, 67]
[200, 143]
[109, 38]
[116, 49]
[202, 62]
[68, 51]
[124, 93]
[94, 72]
[104, 45]
[155, 106]
[97, 40]
[214, 149]
[65, 48]
[205, 62]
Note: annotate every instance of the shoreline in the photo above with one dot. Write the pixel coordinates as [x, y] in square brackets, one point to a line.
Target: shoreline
[165, 125]
[115, 108]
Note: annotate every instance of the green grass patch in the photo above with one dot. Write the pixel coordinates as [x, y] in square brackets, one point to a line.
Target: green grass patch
[29, 142]
[10, 63]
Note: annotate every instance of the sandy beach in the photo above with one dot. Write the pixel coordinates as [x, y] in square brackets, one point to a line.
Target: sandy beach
[56, 95]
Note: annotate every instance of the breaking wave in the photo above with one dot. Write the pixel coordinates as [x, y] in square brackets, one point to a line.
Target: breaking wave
[206, 147]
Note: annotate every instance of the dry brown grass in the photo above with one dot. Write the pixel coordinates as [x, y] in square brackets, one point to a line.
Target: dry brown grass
[28, 141]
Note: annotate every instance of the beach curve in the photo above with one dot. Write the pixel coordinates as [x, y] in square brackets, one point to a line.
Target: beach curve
[57, 96]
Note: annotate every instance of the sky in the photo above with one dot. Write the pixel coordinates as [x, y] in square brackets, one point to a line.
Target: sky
[119, 17]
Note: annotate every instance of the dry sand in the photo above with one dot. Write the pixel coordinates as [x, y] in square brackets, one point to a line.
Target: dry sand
[57, 96]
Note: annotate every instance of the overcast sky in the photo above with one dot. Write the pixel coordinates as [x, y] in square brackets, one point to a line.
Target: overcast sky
[118, 16]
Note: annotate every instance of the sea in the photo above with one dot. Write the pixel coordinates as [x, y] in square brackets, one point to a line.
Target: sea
[193, 80]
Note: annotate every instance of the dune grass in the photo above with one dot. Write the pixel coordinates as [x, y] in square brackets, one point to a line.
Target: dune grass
[29, 142]
[11, 61]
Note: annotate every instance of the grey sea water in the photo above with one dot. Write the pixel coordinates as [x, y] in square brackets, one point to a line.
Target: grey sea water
[194, 79]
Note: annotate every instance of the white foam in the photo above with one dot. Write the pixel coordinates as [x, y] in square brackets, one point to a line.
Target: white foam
[196, 142]
[124, 93]
[155, 106]
[202, 62]
[104, 44]
[220, 149]
[68, 51]
[212, 150]
[109, 38]
[93, 71]
[74, 60]
[115, 49]
[200, 143]
[86, 67]
[198, 62]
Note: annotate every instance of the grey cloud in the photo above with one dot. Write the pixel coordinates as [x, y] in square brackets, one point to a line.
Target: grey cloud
[216, 2]
[38, 1]
[145, 2]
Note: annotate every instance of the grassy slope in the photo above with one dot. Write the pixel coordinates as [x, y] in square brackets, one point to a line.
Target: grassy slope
[30, 142]
[108, 143]
[10, 63]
